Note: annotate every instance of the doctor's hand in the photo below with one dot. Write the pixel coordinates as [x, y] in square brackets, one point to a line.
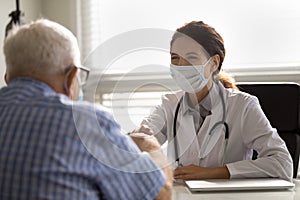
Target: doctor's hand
[193, 172]
[145, 142]
[143, 129]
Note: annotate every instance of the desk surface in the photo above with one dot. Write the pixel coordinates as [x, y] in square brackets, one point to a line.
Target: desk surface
[181, 192]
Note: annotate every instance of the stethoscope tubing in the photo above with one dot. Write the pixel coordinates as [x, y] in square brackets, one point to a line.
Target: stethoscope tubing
[210, 132]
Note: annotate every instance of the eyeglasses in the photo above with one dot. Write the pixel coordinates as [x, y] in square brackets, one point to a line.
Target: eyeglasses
[83, 74]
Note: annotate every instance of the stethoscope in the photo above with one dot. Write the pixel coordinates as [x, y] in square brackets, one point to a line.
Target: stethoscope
[222, 122]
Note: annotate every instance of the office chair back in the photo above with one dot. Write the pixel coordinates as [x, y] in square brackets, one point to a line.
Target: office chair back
[281, 104]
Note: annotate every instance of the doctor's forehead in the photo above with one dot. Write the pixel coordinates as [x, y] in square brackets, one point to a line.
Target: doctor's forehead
[186, 45]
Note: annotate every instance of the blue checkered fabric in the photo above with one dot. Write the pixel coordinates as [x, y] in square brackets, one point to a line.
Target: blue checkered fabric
[54, 148]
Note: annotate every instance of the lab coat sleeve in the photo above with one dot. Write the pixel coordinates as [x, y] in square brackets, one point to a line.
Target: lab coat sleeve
[157, 123]
[273, 159]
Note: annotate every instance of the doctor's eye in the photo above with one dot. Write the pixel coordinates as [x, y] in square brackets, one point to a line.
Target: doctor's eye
[174, 57]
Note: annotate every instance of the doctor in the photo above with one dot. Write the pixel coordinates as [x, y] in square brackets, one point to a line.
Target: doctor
[211, 127]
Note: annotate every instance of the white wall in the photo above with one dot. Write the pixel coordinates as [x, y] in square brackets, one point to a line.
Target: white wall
[32, 9]
[61, 11]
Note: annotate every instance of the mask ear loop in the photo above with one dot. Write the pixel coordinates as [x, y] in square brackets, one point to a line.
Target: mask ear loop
[211, 74]
[65, 81]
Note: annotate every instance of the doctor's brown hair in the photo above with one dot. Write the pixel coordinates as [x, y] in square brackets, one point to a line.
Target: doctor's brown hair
[211, 41]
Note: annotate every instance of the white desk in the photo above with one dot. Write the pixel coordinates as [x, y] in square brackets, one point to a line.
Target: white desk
[181, 192]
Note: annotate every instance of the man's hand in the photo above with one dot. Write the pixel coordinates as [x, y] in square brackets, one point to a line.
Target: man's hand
[150, 144]
[145, 142]
[143, 129]
[193, 172]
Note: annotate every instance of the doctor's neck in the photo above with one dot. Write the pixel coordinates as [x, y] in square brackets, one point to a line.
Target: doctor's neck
[199, 96]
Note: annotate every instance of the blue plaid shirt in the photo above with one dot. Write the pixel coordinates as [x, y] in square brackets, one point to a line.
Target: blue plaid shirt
[54, 148]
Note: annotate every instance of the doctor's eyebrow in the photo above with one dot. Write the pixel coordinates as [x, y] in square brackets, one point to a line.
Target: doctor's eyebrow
[192, 54]
[185, 55]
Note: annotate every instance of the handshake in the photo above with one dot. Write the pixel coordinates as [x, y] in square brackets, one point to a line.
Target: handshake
[146, 142]
[144, 139]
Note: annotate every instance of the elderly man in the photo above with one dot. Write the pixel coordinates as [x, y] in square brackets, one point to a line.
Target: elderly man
[52, 147]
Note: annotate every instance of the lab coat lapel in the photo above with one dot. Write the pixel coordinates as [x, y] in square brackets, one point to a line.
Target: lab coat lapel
[186, 137]
[215, 131]
[186, 133]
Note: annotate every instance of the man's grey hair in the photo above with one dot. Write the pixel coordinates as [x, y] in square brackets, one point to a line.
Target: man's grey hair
[41, 47]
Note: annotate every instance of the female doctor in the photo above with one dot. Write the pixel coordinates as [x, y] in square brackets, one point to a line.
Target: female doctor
[211, 127]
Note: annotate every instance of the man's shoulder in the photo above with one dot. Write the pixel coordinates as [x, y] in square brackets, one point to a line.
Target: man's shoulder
[91, 110]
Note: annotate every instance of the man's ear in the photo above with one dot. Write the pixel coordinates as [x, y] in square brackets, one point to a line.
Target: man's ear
[70, 79]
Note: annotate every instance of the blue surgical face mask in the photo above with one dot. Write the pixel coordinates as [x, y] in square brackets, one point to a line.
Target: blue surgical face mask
[190, 79]
[80, 92]
[80, 95]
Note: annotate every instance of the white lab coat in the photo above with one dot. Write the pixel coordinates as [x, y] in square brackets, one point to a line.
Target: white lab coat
[248, 129]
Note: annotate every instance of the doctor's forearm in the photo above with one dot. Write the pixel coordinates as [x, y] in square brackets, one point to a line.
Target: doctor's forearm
[271, 166]
[217, 173]
[221, 173]
[193, 172]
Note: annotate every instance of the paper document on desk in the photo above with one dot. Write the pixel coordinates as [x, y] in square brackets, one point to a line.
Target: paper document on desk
[238, 184]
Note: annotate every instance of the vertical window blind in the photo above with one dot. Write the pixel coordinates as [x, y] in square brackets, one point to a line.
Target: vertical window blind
[130, 108]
